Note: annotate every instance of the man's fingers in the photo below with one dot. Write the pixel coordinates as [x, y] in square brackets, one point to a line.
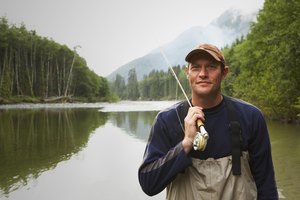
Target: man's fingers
[198, 116]
[195, 113]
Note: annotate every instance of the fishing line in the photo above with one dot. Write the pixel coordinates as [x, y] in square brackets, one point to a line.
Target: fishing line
[202, 136]
[175, 76]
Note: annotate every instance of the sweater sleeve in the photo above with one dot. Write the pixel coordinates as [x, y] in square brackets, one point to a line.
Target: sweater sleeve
[162, 160]
[261, 163]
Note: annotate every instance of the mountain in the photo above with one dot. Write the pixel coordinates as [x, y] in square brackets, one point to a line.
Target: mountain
[230, 25]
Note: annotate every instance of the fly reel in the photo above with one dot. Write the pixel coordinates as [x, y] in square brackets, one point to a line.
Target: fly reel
[201, 139]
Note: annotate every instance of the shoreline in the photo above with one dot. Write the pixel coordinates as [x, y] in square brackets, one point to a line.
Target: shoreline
[73, 102]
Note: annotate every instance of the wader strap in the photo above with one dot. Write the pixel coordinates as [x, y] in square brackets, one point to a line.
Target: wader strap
[236, 137]
[234, 127]
[182, 112]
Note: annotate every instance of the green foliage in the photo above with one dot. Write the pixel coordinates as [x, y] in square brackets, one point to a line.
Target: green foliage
[266, 65]
[162, 85]
[34, 66]
[157, 85]
[119, 87]
[24, 99]
[132, 86]
[5, 84]
[297, 106]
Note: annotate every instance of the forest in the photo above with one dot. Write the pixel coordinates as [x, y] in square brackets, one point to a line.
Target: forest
[264, 66]
[157, 85]
[37, 69]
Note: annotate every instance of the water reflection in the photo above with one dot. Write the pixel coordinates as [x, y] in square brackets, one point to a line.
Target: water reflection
[285, 141]
[137, 124]
[32, 141]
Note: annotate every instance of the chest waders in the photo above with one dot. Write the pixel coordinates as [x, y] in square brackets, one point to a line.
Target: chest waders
[212, 179]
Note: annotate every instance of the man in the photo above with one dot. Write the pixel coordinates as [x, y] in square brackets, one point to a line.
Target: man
[215, 173]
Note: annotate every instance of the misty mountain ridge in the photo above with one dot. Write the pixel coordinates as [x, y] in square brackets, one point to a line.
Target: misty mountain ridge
[229, 26]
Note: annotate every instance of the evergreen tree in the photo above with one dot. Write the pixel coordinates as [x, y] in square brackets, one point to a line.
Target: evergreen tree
[266, 64]
[119, 86]
[132, 86]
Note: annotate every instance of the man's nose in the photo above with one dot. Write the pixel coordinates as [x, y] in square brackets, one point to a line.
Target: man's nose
[202, 72]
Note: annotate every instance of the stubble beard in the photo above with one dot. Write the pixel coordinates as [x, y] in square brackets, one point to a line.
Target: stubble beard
[212, 93]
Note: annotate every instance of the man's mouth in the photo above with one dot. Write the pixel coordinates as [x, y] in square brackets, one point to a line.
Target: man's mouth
[203, 83]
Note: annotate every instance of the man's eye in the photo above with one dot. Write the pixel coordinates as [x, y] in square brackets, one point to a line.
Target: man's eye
[212, 65]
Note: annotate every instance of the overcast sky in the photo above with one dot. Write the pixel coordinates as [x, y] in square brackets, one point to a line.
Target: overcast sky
[114, 32]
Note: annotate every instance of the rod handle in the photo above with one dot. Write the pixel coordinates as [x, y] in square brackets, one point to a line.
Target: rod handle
[199, 123]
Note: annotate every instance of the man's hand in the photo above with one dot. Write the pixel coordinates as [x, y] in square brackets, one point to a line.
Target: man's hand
[190, 125]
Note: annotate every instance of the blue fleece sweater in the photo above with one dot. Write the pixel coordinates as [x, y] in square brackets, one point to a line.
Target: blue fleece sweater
[164, 157]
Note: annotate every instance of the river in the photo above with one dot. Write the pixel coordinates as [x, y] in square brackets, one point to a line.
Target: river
[93, 151]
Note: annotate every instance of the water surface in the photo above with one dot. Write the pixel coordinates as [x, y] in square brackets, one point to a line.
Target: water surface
[93, 152]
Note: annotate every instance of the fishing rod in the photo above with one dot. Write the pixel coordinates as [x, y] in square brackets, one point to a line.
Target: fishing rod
[202, 136]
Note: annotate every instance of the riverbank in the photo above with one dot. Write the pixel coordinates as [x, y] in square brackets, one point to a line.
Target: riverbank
[75, 101]
[60, 99]
[121, 106]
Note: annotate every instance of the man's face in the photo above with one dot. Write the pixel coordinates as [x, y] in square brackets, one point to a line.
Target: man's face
[205, 75]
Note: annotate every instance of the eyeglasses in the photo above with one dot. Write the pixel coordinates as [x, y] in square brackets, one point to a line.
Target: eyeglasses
[195, 68]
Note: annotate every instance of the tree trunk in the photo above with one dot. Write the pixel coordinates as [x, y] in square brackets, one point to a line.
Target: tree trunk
[31, 64]
[70, 74]
[28, 74]
[64, 74]
[47, 76]
[11, 70]
[3, 70]
[42, 77]
[58, 78]
[17, 65]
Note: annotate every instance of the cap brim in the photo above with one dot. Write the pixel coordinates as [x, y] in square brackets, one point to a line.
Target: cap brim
[201, 51]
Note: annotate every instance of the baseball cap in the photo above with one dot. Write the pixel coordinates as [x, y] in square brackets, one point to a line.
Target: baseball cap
[208, 48]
